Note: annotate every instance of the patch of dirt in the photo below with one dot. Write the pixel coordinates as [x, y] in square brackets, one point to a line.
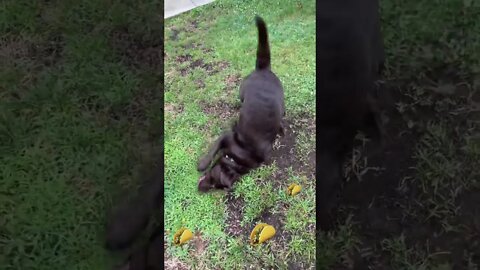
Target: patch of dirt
[220, 110]
[207, 50]
[84, 187]
[211, 68]
[31, 54]
[200, 84]
[196, 248]
[183, 58]
[232, 82]
[173, 109]
[172, 263]
[145, 55]
[284, 156]
[14, 48]
[174, 35]
[136, 52]
[385, 201]
[235, 216]
[145, 98]
[190, 27]
[198, 245]
[45, 51]
[188, 63]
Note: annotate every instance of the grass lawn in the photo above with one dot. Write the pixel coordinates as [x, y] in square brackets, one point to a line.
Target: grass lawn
[80, 114]
[414, 204]
[208, 52]
[80, 119]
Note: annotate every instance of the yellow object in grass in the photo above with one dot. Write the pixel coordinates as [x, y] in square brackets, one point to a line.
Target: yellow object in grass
[261, 233]
[182, 236]
[294, 189]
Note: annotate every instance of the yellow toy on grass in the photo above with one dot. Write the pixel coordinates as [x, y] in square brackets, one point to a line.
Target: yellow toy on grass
[294, 189]
[182, 236]
[261, 233]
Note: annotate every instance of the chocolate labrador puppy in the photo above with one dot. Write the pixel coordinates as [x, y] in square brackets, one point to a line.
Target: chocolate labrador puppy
[350, 57]
[250, 141]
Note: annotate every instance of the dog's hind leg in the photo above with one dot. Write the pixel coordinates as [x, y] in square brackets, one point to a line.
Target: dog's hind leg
[281, 129]
[332, 147]
[329, 174]
[146, 256]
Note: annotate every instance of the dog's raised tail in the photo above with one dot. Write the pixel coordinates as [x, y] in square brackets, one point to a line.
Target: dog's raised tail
[263, 50]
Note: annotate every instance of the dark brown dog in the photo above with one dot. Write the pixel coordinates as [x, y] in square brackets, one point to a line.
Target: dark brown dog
[250, 141]
[349, 57]
[148, 256]
[131, 217]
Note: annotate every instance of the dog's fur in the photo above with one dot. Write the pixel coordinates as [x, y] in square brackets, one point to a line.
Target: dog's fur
[131, 217]
[147, 257]
[250, 141]
[350, 56]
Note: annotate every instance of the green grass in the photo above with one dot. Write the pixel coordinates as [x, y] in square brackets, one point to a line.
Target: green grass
[80, 114]
[76, 124]
[195, 117]
[257, 196]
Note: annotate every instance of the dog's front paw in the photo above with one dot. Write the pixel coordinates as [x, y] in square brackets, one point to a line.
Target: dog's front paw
[203, 164]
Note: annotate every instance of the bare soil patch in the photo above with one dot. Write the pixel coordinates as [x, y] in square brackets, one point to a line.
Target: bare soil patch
[137, 52]
[387, 203]
[285, 157]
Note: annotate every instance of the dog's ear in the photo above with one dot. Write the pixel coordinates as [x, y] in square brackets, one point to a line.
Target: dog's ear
[204, 184]
[226, 181]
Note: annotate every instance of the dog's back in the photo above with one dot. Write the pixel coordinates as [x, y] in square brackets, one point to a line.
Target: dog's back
[261, 94]
[349, 54]
[250, 141]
